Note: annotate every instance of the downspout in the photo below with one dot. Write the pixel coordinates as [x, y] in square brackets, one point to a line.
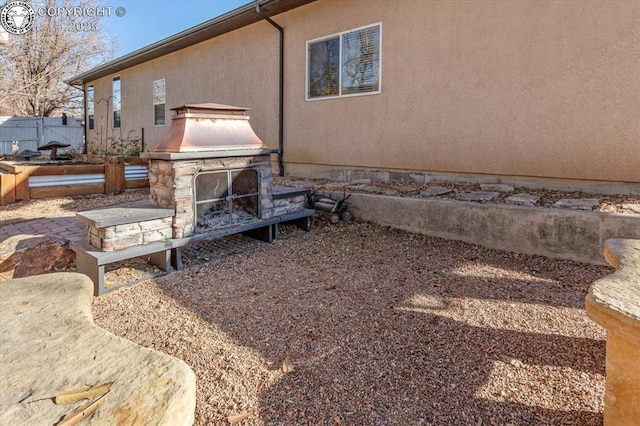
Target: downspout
[281, 93]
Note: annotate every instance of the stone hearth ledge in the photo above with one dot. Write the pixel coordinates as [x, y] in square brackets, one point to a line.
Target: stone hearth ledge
[50, 345]
[614, 303]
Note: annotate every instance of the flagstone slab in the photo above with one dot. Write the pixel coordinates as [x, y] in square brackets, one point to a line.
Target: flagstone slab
[49, 345]
[523, 199]
[577, 203]
[478, 196]
[435, 191]
[500, 187]
[614, 303]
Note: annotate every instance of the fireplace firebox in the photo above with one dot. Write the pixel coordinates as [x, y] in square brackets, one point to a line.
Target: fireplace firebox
[226, 198]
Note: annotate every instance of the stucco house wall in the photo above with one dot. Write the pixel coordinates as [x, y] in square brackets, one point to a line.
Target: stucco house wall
[524, 90]
[238, 68]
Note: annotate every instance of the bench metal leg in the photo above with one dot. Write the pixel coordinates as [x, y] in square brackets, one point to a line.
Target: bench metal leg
[162, 260]
[176, 259]
[88, 266]
[304, 223]
[263, 234]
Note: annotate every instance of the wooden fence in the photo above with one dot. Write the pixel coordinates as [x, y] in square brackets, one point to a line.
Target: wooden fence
[32, 181]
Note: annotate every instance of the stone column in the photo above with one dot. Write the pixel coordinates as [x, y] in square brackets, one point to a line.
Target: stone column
[614, 303]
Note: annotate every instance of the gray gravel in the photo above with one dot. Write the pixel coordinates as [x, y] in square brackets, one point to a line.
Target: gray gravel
[380, 327]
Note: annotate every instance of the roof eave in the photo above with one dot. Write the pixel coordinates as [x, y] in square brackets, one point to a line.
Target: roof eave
[233, 20]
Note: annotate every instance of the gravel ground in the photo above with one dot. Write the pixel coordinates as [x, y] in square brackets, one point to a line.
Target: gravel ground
[360, 324]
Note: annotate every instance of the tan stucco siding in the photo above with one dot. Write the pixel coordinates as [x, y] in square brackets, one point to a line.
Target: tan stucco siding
[528, 88]
[238, 68]
[510, 88]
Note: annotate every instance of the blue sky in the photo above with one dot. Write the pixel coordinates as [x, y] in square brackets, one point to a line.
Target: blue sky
[148, 21]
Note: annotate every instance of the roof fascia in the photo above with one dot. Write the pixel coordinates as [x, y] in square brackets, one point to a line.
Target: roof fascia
[233, 20]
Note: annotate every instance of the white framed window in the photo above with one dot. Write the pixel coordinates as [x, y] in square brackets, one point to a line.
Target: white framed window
[345, 64]
[116, 101]
[159, 103]
[90, 107]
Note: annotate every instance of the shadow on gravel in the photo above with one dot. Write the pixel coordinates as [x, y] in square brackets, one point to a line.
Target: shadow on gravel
[369, 318]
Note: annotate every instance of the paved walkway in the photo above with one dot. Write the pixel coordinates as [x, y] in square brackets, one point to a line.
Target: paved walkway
[67, 227]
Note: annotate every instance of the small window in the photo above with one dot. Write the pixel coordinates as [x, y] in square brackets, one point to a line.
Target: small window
[116, 101]
[159, 103]
[90, 106]
[345, 64]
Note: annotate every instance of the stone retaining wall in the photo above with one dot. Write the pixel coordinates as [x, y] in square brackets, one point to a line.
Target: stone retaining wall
[556, 233]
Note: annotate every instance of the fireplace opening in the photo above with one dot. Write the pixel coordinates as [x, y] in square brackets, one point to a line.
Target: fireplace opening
[226, 198]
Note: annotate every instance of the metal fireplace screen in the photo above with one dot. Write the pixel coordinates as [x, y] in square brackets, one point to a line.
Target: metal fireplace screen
[225, 198]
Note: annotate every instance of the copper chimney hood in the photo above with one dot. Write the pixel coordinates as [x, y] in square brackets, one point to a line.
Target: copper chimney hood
[209, 130]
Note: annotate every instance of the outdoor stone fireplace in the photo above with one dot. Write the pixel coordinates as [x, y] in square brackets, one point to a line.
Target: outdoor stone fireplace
[212, 169]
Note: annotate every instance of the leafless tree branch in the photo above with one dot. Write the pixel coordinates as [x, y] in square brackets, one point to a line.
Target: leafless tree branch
[34, 65]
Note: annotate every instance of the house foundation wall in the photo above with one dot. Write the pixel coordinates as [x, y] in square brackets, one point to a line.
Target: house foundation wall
[348, 174]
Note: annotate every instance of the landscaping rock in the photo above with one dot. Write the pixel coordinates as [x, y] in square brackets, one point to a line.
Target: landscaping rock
[577, 204]
[478, 196]
[435, 191]
[524, 199]
[375, 189]
[49, 345]
[500, 187]
[359, 181]
[614, 303]
[633, 208]
[337, 185]
[24, 255]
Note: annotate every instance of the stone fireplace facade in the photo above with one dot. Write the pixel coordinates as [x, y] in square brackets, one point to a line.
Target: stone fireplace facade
[214, 172]
[172, 185]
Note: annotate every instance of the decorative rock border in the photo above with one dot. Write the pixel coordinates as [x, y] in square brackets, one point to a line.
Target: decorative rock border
[49, 345]
[614, 303]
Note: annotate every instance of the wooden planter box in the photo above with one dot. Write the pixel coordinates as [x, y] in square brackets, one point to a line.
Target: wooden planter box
[104, 175]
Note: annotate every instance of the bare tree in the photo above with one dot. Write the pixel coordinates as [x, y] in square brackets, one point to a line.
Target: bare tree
[33, 65]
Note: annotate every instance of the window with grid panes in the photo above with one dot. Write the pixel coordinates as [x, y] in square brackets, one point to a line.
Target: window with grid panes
[345, 64]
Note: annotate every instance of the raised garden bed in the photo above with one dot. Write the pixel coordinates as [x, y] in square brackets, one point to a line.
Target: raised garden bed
[24, 180]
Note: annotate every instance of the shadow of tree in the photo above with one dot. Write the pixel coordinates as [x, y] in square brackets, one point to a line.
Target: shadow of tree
[372, 345]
